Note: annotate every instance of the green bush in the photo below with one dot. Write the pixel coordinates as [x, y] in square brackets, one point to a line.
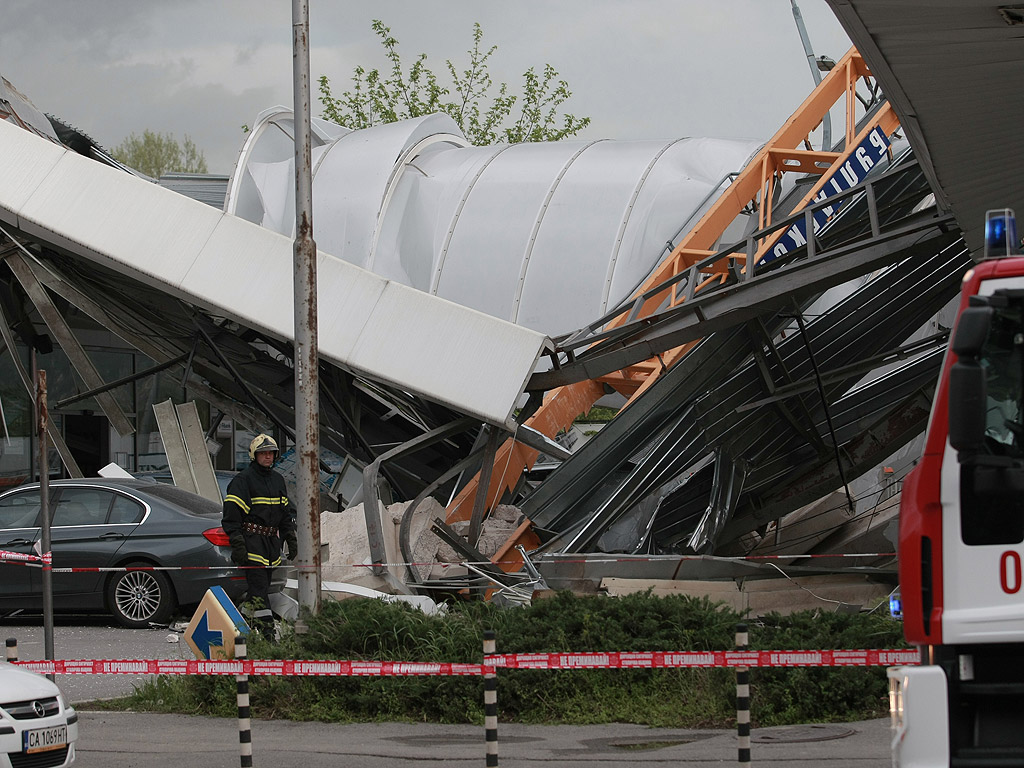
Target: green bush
[374, 630]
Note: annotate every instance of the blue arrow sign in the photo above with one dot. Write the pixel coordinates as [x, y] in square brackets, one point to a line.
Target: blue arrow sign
[215, 626]
[204, 637]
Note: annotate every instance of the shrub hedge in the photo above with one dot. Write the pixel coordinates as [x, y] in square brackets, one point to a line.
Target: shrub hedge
[374, 630]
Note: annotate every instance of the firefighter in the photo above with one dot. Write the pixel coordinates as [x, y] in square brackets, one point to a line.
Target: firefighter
[259, 520]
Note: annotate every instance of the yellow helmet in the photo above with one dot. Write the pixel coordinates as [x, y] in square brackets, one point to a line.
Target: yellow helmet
[262, 443]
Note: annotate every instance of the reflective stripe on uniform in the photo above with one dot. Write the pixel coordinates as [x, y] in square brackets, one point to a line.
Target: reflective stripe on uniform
[236, 500]
[261, 560]
[271, 500]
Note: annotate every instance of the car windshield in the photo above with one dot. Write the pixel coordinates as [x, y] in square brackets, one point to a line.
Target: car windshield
[192, 502]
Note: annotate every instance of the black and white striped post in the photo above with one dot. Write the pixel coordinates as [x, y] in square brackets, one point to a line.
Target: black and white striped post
[491, 702]
[244, 719]
[12, 649]
[742, 699]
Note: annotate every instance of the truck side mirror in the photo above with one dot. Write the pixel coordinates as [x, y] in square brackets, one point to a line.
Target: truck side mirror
[967, 385]
[967, 404]
[971, 331]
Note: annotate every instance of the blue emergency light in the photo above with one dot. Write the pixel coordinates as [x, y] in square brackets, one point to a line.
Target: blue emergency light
[1000, 233]
[895, 606]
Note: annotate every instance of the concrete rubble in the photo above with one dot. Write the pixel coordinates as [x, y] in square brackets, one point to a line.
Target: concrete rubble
[348, 547]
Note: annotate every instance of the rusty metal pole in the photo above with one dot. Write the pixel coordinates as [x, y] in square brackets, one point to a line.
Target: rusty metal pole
[307, 380]
[44, 516]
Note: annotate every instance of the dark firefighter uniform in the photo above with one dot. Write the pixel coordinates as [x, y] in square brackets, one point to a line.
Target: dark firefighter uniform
[259, 519]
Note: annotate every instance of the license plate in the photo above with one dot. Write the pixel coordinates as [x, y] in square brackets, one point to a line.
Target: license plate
[43, 739]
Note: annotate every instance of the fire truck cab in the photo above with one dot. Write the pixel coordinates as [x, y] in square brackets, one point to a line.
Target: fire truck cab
[961, 540]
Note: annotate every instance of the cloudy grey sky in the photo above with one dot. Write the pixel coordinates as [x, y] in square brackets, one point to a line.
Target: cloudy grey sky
[639, 69]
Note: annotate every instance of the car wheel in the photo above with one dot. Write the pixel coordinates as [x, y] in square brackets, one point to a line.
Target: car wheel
[140, 598]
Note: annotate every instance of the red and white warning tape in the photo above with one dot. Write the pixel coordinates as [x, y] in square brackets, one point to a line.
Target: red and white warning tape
[250, 667]
[38, 561]
[24, 557]
[666, 659]
[561, 560]
[613, 660]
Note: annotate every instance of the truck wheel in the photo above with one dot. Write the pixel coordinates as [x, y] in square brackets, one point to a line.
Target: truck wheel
[140, 598]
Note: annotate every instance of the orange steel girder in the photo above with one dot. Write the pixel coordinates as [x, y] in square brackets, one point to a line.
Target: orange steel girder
[787, 151]
[886, 119]
[756, 183]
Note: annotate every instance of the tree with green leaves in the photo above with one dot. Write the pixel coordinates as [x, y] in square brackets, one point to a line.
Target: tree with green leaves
[155, 154]
[532, 115]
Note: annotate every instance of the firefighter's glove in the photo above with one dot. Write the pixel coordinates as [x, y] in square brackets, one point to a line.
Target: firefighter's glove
[293, 547]
[239, 555]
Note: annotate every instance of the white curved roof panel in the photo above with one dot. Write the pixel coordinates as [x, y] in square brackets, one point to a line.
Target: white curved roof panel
[546, 235]
[423, 211]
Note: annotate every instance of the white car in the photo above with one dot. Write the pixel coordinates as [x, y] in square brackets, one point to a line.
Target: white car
[38, 729]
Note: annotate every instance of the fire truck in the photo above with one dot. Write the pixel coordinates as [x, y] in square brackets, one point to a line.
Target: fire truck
[961, 539]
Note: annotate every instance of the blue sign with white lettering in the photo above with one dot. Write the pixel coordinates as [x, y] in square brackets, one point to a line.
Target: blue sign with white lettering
[849, 174]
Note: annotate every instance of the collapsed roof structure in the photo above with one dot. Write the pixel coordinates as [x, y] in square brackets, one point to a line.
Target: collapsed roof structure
[765, 313]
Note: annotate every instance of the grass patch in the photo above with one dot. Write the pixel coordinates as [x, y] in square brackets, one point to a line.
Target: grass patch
[680, 698]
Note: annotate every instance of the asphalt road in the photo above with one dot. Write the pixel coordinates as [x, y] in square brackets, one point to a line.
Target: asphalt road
[129, 740]
[125, 740]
